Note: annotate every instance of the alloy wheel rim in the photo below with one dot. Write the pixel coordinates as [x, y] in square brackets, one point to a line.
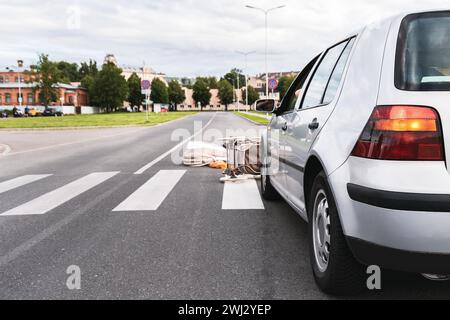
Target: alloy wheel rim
[321, 231]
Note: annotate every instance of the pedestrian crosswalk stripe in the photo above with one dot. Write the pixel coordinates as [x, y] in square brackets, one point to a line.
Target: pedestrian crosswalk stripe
[151, 195]
[242, 195]
[55, 198]
[20, 181]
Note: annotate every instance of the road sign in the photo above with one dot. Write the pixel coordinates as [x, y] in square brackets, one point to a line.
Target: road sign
[273, 84]
[146, 86]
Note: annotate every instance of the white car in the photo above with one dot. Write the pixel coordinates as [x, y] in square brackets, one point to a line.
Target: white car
[360, 148]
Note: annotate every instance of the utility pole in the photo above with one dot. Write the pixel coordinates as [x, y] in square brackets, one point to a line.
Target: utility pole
[234, 95]
[237, 91]
[20, 65]
[146, 93]
[266, 14]
[246, 54]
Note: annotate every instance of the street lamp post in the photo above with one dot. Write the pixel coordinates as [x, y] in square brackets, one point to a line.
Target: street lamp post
[19, 67]
[17, 70]
[146, 93]
[246, 54]
[234, 95]
[266, 13]
[238, 88]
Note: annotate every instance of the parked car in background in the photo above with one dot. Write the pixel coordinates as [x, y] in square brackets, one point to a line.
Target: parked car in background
[33, 112]
[360, 148]
[17, 113]
[52, 112]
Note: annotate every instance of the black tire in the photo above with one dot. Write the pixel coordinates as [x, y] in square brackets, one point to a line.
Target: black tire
[268, 191]
[344, 275]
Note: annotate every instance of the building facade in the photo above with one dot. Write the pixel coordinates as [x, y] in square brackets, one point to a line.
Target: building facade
[259, 82]
[145, 73]
[214, 103]
[11, 83]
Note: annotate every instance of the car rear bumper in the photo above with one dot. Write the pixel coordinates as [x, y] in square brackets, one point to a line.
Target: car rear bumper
[371, 254]
[401, 209]
[404, 201]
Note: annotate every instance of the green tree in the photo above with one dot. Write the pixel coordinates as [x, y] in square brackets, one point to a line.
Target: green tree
[88, 83]
[201, 94]
[88, 73]
[88, 69]
[212, 83]
[253, 95]
[68, 72]
[232, 78]
[284, 84]
[160, 93]
[176, 93]
[226, 93]
[135, 97]
[110, 88]
[46, 75]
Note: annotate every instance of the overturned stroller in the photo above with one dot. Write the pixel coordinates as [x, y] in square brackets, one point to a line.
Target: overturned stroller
[239, 157]
[243, 159]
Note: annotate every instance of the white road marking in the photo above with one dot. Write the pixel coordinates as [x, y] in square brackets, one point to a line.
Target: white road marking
[6, 149]
[20, 181]
[151, 195]
[242, 195]
[178, 146]
[8, 153]
[55, 198]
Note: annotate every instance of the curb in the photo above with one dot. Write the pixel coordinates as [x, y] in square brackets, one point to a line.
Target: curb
[251, 121]
[93, 128]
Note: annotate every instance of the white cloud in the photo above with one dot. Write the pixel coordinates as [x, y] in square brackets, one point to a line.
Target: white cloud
[185, 37]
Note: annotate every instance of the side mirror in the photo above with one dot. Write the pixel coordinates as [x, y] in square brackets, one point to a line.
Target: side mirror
[267, 105]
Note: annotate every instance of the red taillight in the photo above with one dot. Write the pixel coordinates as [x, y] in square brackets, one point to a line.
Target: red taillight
[401, 133]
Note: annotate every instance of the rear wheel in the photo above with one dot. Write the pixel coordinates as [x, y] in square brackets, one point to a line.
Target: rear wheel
[335, 269]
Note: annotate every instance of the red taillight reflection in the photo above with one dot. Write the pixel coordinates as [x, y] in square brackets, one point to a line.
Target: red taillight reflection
[401, 133]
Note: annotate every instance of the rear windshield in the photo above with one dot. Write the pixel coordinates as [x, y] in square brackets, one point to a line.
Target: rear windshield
[423, 53]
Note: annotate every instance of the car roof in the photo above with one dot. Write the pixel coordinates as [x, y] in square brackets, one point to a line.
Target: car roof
[394, 17]
[403, 14]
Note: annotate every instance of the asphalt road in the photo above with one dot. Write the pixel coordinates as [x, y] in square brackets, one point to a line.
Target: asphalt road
[188, 248]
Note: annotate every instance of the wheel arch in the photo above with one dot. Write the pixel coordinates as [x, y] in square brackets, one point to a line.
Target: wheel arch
[313, 167]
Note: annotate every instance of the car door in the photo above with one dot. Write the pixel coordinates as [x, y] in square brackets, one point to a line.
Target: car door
[303, 125]
[284, 114]
[275, 152]
[278, 128]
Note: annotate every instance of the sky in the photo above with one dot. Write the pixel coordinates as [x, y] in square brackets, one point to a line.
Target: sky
[186, 38]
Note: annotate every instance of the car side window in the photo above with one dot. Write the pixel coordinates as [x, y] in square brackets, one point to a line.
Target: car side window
[338, 72]
[319, 82]
[294, 93]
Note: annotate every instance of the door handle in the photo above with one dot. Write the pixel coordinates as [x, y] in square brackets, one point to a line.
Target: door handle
[314, 125]
[285, 127]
